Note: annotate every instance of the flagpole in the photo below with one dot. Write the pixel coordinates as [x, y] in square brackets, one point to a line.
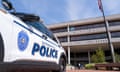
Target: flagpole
[108, 34]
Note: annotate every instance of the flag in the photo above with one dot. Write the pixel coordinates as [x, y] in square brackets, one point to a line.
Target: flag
[100, 5]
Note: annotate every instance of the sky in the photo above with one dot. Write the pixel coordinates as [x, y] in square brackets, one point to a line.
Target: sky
[57, 11]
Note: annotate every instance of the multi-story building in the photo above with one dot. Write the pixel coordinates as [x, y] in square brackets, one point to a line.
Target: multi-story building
[81, 38]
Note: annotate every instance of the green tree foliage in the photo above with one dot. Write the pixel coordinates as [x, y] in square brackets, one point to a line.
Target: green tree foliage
[99, 56]
[94, 58]
[117, 58]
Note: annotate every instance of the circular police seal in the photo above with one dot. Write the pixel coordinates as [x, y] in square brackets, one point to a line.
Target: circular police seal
[23, 40]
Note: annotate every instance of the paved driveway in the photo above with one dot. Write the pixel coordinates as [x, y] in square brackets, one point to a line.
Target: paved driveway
[89, 71]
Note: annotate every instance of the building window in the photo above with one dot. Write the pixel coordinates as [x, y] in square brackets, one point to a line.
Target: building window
[62, 39]
[59, 30]
[81, 27]
[72, 28]
[115, 34]
[90, 26]
[88, 37]
[93, 36]
[114, 23]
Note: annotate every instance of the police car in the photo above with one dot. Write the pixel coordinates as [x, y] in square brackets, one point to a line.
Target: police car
[25, 41]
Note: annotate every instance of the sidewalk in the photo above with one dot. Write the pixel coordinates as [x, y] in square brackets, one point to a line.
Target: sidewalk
[89, 71]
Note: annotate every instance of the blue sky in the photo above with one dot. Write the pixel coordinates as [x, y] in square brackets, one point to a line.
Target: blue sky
[56, 11]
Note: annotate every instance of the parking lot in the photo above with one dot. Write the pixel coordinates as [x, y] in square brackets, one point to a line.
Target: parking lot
[5, 69]
[89, 71]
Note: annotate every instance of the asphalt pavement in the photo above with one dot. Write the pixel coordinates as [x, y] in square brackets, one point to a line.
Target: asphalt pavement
[89, 71]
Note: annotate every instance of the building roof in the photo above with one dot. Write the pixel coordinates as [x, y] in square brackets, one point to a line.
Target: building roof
[84, 21]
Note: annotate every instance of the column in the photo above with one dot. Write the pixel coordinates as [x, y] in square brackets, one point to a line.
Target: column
[68, 37]
[68, 55]
[89, 57]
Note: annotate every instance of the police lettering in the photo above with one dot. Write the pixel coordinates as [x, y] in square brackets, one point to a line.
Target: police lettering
[43, 51]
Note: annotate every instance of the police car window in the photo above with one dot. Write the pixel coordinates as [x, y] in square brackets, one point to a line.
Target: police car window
[41, 28]
[37, 26]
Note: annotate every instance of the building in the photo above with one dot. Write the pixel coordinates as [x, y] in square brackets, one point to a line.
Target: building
[81, 38]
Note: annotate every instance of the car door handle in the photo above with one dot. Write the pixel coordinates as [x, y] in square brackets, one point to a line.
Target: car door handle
[44, 37]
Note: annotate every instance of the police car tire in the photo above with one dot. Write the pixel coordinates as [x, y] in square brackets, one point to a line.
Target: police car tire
[62, 64]
[1, 49]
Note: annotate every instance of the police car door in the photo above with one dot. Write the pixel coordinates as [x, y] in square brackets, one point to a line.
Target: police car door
[22, 41]
[51, 46]
[31, 42]
[46, 50]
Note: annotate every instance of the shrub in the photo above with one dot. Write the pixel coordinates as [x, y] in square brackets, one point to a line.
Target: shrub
[90, 66]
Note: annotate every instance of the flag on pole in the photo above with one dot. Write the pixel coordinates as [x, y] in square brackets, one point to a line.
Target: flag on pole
[100, 5]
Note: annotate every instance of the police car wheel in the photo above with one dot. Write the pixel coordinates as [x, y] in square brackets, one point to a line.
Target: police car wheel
[1, 50]
[62, 65]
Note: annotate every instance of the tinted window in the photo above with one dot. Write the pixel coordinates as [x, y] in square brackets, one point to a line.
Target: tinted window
[41, 28]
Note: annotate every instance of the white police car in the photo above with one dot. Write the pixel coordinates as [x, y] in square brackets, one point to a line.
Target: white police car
[25, 42]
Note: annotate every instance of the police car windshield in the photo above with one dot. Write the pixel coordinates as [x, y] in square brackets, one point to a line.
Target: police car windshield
[40, 27]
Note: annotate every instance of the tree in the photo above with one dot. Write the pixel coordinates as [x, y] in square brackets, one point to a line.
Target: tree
[99, 56]
[117, 58]
[94, 58]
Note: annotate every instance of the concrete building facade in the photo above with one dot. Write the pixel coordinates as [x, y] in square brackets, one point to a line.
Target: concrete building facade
[81, 38]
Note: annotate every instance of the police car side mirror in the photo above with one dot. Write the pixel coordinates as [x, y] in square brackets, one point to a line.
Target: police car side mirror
[7, 5]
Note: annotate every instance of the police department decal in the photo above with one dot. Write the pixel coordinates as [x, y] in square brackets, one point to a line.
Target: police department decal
[23, 40]
[44, 51]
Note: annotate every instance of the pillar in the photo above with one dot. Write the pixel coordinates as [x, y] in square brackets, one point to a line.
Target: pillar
[89, 60]
[68, 55]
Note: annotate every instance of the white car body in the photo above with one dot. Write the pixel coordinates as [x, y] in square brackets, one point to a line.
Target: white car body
[12, 28]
